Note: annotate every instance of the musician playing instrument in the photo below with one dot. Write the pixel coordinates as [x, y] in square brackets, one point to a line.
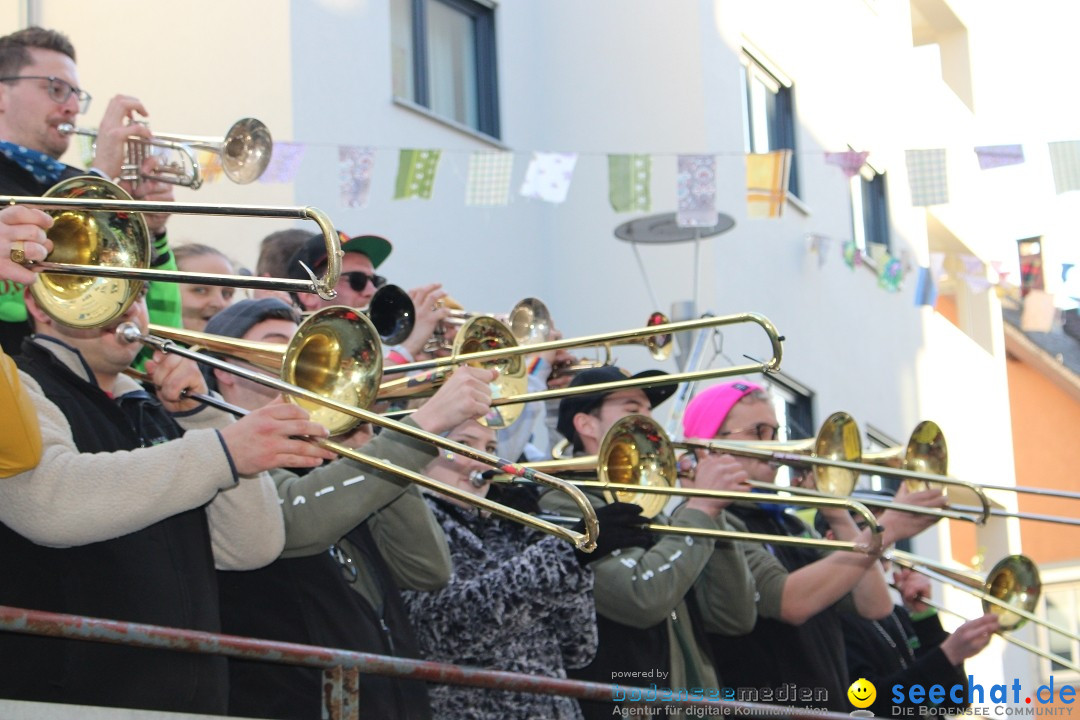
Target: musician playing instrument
[136, 500]
[797, 637]
[517, 600]
[21, 229]
[353, 537]
[648, 619]
[358, 283]
[910, 646]
[39, 91]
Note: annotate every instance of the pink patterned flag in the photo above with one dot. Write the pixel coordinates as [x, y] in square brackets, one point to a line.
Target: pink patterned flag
[284, 162]
[548, 177]
[993, 156]
[766, 183]
[849, 161]
[355, 166]
[696, 191]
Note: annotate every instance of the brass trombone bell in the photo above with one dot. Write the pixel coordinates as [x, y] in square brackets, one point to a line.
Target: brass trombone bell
[636, 464]
[308, 346]
[1011, 589]
[245, 152]
[101, 241]
[479, 333]
[835, 457]
[927, 456]
[335, 353]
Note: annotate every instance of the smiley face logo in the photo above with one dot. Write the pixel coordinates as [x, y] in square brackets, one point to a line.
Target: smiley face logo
[862, 693]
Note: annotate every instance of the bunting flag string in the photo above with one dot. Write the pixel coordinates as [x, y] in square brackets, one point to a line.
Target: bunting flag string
[356, 166]
[766, 183]
[548, 176]
[927, 177]
[488, 182]
[849, 161]
[1065, 162]
[696, 191]
[629, 180]
[285, 161]
[416, 173]
[995, 156]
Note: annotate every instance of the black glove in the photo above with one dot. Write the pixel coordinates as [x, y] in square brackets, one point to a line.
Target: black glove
[517, 496]
[621, 525]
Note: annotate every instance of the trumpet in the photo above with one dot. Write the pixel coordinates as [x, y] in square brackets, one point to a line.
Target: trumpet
[332, 351]
[636, 464]
[98, 232]
[1011, 591]
[245, 153]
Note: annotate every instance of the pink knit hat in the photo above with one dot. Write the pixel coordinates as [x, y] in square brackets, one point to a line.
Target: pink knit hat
[709, 408]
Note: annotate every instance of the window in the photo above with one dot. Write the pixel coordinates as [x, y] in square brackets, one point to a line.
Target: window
[870, 210]
[1031, 265]
[769, 113]
[444, 59]
[794, 412]
[1060, 605]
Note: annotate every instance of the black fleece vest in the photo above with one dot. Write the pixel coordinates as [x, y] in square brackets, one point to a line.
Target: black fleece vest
[778, 655]
[162, 574]
[626, 649]
[309, 600]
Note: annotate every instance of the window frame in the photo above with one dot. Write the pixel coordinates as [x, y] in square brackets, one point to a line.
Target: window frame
[1069, 582]
[486, 59]
[782, 125]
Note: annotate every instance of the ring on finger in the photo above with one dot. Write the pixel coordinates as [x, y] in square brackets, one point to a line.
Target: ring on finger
[18, 251]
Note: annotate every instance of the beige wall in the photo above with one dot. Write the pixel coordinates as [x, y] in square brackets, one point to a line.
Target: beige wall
[197, 67]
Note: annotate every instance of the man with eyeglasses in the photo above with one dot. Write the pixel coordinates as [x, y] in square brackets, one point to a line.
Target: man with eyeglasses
[800, 592]
[39, 92]
[358, 284]
[649, 622]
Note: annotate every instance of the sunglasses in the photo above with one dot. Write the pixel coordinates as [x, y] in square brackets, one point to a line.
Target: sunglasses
[358, 280]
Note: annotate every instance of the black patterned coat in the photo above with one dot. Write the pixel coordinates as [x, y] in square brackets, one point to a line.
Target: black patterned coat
[517, 600]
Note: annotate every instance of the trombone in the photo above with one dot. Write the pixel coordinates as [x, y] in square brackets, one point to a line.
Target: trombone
[926, 451]
[335, 351]
[636, 459]
[1011, 591]
[767, 366]
[98, 232]
[478, 333]
[244, 150]
[836, 452]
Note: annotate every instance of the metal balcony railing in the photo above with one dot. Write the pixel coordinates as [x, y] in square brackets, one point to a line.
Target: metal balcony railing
[343, 667]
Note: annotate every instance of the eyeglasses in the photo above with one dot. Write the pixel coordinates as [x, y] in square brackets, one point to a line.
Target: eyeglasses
[359, 280]
[763, 431]
[59, 90]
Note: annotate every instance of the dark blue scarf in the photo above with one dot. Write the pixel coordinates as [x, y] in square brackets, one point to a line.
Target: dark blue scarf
[46, 170]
